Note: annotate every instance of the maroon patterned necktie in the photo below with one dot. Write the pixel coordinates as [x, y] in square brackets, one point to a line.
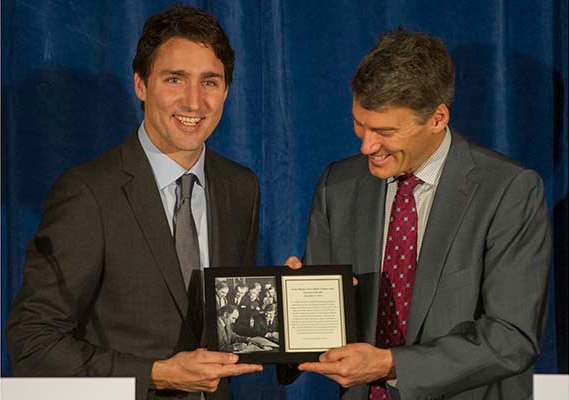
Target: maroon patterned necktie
[398, 274]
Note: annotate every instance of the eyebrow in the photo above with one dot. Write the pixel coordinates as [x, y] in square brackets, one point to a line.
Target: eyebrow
[180, 72]
[211, 74]
[173, 72]
[378, 128]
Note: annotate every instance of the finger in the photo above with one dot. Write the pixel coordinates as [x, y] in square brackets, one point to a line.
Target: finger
[293, 262]
[324, 368]
[239, 369]
[217, 357]
[336, 354]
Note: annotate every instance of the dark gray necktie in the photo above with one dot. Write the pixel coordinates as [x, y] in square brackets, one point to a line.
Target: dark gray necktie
[188, 249]
[186, 235]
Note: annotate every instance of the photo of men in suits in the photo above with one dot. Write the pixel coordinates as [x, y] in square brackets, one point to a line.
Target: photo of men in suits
[246, 327]
[450, 242]
[111, 284]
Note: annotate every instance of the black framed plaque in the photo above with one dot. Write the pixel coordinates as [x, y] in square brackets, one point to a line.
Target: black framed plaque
[279, 315]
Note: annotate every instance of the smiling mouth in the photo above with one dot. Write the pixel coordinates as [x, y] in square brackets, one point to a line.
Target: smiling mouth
[188, 121]
[379, 158]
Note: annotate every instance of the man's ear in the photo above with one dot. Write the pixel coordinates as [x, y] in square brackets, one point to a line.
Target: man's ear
[440, 117]
[226, 91]
[139, 87]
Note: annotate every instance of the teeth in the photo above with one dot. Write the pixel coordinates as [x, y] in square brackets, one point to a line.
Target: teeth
[379, 158]
[191, 121]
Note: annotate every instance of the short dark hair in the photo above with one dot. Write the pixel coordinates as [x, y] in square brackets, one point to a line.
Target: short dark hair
[241, 285]
[405, 69]
[188, 23]
[228, 309]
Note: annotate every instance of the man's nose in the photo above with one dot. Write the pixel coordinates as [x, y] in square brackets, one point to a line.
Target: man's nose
[370, 143]
[192, 97]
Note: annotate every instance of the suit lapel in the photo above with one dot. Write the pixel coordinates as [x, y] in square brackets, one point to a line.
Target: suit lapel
[369, 222]
[369, 216]
[218, 205]
[453, 195]
[144, 198]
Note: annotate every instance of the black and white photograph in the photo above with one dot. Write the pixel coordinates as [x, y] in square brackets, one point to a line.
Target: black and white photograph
[247, 314]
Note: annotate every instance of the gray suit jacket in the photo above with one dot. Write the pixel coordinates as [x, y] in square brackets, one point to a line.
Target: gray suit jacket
[479, 298]
[103, 293]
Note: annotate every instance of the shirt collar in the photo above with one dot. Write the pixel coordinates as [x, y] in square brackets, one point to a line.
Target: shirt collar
[167, 171]
[430, 170]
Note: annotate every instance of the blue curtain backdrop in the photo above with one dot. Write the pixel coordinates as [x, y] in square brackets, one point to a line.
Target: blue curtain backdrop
[67, 96]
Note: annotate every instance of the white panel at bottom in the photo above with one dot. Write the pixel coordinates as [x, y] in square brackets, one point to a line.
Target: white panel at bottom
[550, 387]
[67, 388]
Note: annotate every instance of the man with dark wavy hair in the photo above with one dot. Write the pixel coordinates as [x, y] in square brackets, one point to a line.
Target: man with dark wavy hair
[450, 242]
[111, 283]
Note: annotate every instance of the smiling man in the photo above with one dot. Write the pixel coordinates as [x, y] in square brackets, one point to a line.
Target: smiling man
[450, 242]
[112, 282]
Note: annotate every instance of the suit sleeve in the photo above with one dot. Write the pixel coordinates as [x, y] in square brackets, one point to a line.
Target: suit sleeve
[504, 339]
[62, 275]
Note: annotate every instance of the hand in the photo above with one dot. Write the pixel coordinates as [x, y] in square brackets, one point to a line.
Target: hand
[353, 364]
[198, 371]
[294, 262]
[257, 341]
[240, 346]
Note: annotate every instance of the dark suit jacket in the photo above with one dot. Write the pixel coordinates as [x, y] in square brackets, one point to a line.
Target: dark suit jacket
[103, 293]
[231, 299]
[220, 302]
[226, 337]
[479, 298]
[261, 327]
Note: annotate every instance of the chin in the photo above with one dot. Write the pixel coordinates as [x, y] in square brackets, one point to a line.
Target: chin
[381, 174]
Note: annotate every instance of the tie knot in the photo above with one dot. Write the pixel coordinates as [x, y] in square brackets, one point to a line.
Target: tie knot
[186, 183]
[406, 184]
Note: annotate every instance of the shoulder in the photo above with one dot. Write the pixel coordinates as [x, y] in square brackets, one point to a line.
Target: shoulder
[347, 169]
[99, 173]
[493, 174]
[218, 166]
[106, 168]
[490, 167]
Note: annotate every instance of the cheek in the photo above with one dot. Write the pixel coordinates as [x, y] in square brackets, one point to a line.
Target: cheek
[163, 99]
[214, 101]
